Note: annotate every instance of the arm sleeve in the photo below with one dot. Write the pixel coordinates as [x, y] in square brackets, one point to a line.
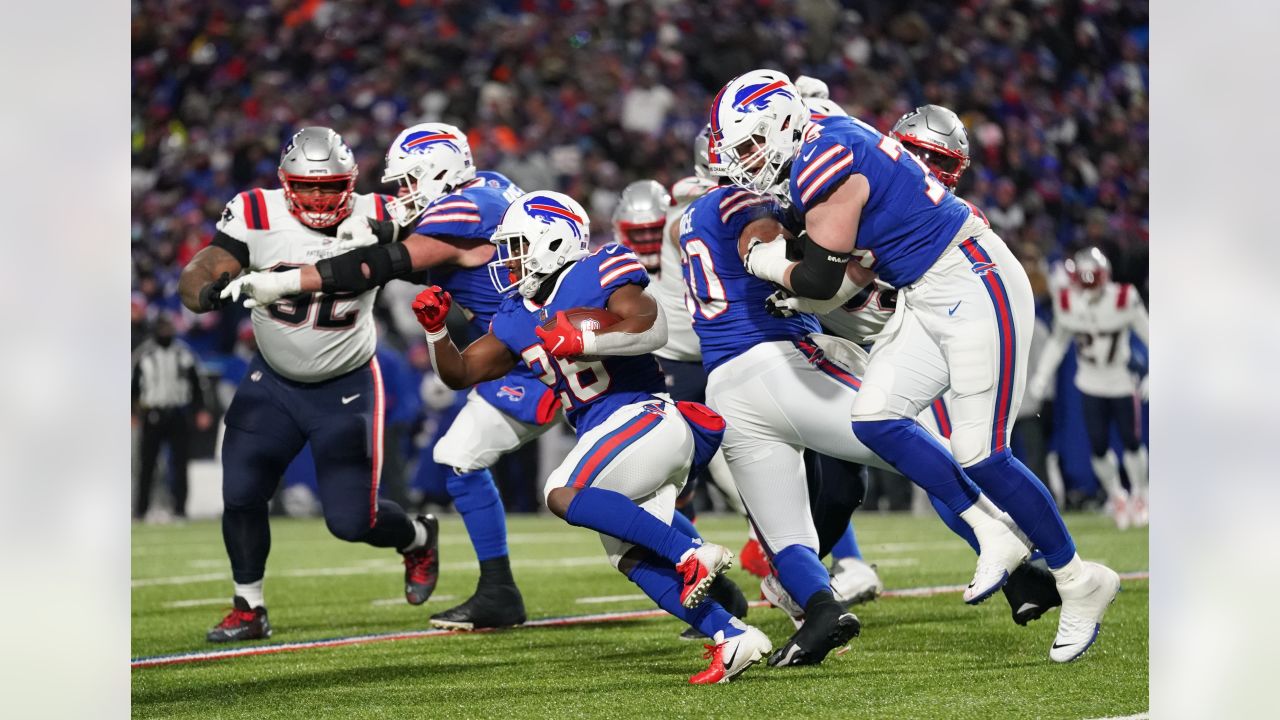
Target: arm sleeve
[628, 343]
[239, 249]
[848, 288]
[820, 273]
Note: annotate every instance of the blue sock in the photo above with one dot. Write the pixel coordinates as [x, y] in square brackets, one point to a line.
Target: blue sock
[475, 495]
[953, 521]
[681, 522]
[801, 572]
[613, 513]
[914, 453]
[662, 584]
[846, 546]
[1020, 493]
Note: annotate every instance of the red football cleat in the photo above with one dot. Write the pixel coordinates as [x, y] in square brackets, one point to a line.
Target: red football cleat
[731, 657]
[422, 566]
[754, 560]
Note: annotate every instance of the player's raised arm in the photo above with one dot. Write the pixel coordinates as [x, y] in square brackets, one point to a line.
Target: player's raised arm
[203, 278]
[484, 359]
[852, 278]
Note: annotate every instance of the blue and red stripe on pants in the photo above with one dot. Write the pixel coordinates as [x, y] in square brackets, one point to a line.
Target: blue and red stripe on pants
[814, 355]
[608, 447]
[985, 267]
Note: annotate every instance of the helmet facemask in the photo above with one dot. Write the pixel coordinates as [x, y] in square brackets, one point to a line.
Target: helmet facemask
[532, 247]
[754, 165]
[946, 164]
[644, 239]
[319, 209]
[427, 161]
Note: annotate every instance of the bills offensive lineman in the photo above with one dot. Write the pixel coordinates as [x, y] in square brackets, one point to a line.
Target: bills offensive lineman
[1100, 315]
[962, 322]
[454, 210]
[316, 379]
[635, 448]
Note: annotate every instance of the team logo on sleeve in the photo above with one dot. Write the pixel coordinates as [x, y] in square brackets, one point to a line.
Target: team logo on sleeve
[550, 211]
[227, 215]
[756, 97]
[514, 394]
[419, 142]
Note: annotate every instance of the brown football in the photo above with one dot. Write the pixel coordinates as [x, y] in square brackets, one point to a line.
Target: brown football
[586, 318]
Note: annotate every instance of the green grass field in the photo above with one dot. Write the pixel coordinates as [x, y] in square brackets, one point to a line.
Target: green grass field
[918, 657]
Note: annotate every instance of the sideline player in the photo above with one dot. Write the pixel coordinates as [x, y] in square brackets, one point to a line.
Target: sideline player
[962, 323]
[316, 379]
[1100, 315]
[454, 210]
[771, 380]
[635, 448]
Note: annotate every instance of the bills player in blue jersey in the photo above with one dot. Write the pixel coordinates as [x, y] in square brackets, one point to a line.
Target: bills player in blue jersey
[963, 318]
[635, 447]
[453, 209]
[772, 380]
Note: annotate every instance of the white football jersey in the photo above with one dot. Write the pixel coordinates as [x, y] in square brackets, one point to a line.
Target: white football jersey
[313, 337]
[668, 287]
[863, 316]
[1100, 324]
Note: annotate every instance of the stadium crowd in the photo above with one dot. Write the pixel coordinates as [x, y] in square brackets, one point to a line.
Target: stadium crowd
[584, 97]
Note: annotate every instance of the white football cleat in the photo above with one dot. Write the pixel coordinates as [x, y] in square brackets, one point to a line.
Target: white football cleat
[732, 656]
[1002, 553]
[853, 581]
[771, 588]
[699, 569]
[1120, 510]
[1084, 601]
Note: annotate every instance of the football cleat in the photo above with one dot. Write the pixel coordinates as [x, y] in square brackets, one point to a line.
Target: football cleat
[493, 606]
[242, 623]
[1121, 511]
[1001, 553]
[729, 596]
[853, 581]
[699, 569]
[732, 656]
[1084, 602]
[1138, 515]
[772, 590]
[753, 559]
[1031, 592]
[824, 630]
[422, 566]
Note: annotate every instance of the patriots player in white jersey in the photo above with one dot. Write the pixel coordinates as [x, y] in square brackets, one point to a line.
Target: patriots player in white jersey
[963, 321]
[316, 379]
[635, 447]
[1100, 315]
[452, 209]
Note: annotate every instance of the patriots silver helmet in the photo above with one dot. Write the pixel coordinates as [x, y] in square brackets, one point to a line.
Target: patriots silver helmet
[1088, 269]
[427, 161]
[540, 233]
[318, 174]
[639, 219]
[936, 136]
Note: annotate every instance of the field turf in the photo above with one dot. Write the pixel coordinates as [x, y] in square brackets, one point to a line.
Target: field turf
[918, 657]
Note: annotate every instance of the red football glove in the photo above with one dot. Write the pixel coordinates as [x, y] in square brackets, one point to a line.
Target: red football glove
[563, 339]
[431, 307]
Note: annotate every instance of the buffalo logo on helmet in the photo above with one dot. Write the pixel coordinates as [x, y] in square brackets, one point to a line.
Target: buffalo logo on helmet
[418, 142]
[550, 211]
[756, 97]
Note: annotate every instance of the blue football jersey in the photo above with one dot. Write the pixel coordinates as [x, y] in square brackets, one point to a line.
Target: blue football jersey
[727, 302]
[470, 213]
[910, 217]
[590, 390]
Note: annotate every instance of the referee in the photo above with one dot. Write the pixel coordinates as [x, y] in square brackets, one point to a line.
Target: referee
[166, 387]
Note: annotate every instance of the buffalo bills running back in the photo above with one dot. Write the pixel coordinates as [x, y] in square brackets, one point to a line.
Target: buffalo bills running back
[635, 447]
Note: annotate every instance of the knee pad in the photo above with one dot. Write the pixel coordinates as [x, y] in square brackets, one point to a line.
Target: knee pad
[872, 403]
[970, 445]
[473, 490]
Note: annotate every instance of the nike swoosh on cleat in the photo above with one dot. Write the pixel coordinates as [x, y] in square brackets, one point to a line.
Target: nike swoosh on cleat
[1056, 645]
[729, 663]
[1028, 606]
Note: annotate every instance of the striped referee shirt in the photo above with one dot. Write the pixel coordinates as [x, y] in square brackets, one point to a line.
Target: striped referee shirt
[165, 377]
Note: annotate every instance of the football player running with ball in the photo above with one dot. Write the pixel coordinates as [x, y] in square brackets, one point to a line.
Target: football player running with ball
[316, 379]
[963, 320]
[635, 448]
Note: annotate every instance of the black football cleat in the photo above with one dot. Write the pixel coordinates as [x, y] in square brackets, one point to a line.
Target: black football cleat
[727, 593]
[493, 606]
[242, 623]
[826, 627]
[1031, 591]
[422, 566]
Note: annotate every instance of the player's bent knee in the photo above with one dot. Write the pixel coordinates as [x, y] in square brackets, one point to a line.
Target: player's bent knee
[558, 500]
[350, 527]
[872, 403]
[970, 447]
[628, 559]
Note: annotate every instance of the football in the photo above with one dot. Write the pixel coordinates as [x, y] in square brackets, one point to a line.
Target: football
[586, 318]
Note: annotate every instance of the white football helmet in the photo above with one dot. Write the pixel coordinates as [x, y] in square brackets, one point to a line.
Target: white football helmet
[812, 87]
[820, 108]
[540, 233]
[757, 120]
[428, 161]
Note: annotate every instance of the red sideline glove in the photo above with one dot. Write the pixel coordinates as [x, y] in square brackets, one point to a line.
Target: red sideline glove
[563, 339]
[431, 307]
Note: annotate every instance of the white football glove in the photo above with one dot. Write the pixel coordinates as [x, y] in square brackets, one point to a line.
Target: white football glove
[783, 304]
[768, 260]
[354, 232]
[810, 87]
[263, 288]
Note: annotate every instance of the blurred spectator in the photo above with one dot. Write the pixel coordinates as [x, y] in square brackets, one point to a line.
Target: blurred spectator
[165, 389]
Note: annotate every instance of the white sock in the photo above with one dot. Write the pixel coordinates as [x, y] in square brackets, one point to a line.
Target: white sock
[1108, 471]
[1069, 572]
[252, 593]
[1135, 466]
[419, 536]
